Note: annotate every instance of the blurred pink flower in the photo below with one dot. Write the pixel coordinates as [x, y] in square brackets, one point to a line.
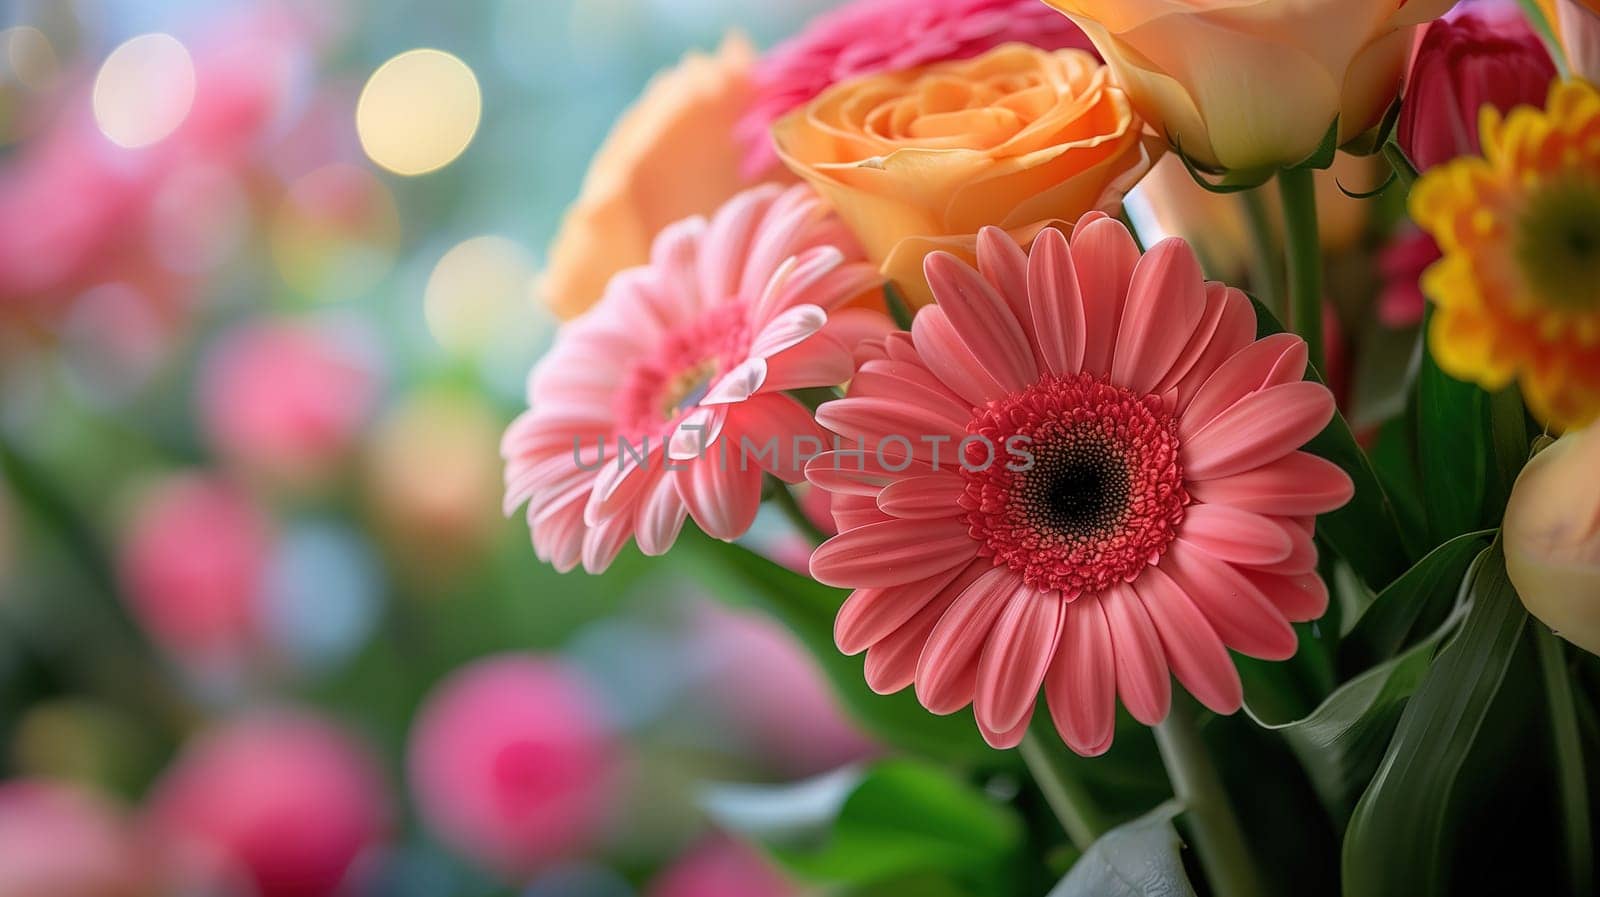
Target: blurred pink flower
[774, 695]
[869, 36]
[286, 399]
[287, 798]
[721, 867]
[58, 841]
[1401, 263]
[682, 359]
[192, 560]
[512, 763]
[1485, 55]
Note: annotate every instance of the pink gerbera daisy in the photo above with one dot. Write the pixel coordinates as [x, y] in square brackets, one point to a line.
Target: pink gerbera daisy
[633, 412]
[865, 37]
[1084, 474]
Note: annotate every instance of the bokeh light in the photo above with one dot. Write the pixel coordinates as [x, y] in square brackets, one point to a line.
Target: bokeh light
[418, 112]
[27, 57]
[475, 289]
[144, 90]
[335, 234]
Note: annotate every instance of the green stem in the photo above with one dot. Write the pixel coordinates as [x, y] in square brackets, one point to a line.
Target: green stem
[784, 499]
[1266, 260]
[1062, 791]
[1304, 255]
[1217, 837]
[1574, 786]
[1404, 171]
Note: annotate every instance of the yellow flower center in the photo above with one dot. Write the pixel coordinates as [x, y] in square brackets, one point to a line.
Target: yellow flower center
[1558, 244]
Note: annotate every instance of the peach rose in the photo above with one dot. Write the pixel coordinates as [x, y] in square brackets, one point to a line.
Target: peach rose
[1255, 84]
[671, 155]
[920, 159]
[1552, 537]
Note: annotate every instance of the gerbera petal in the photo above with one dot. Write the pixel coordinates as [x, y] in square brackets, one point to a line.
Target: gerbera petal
[773, 433]
[1012, 666]
[1166, 299]
[787, 328]
[1081, 685]
[983, 319]
[947, 356]
[722, 497]
[1279, 358]
[1300, 597]
[886, 423]
[892, 663]
[821, 360]
[860, 473]
[1297, 484]
[1259, 428]
[1239, 613]
[728, 237]
[1236, 329]
[1002, 740]
[854, 326]
[892, 552]
[617, 484]
[794, 282]
[1003, 263]
[1055, 307]
[738, 384]
[604, 541]
[1302, 554]
[661, 515]
[1142, 680]
[932, 496]
[1103, 256]
[1240, 537]
[1204, 334]
[779, 237]
[947, 672]
[869, 615]
[1195, 654]
[697, 432]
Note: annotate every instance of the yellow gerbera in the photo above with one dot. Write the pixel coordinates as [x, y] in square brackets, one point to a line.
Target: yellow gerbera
[1517, 293]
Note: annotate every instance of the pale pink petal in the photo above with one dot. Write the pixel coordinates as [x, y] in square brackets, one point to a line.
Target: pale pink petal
[1279, 358]
[794, 282]
[558, 536]
[673, 261]
[661, 515]
[854, 326]
[773, 433]
[697, 433]
[617, 484]
[892, 552]
[1240, 537]
[1103, 256]
[1239, 613]
[604, 541]
[926, 497]
[1081, 685]
[1142, 680]
[869, 615]
[1014, 661]
[1297, 484]
[780, 236]
[722, 498]
[1260, 428]
[819, 361]
[786, 329]
[1194, 652]
[738, 384]
[982, 319]
[947, 356]
[885, 422]
[1055, 307]
[728, 238]
[947, 672]
[1166, 300]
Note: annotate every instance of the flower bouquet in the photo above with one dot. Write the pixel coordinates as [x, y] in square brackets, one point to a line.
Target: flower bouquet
[1184, 407]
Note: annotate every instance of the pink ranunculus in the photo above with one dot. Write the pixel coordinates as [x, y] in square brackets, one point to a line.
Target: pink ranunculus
[869, 36]
[1401, 263]
[286, 399]
[721, 867]
[773, 694]
[58, 841]
[512, 763]
[1486, 55]
[287, 798]
[191, 562]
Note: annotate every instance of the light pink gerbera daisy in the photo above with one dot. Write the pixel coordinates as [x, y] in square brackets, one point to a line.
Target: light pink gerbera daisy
[1085, 476]
[640, 414]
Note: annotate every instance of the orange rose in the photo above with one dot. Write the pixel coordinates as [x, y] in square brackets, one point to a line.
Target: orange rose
[670, 156]
[921, 159]
[1255, 84]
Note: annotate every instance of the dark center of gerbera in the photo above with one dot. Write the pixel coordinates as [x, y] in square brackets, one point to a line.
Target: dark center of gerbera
[1093, 492]
[683, 365]
[1558, 244]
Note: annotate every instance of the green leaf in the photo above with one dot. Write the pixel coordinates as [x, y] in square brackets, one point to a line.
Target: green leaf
[1453, 443]
[1139, 859]
[899, 310]
[807, 608]
[1366, 532]
[908, 819]
[1395, 844]
[1413, 603]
